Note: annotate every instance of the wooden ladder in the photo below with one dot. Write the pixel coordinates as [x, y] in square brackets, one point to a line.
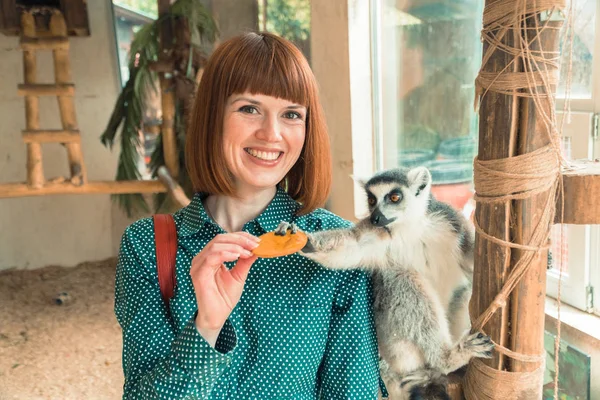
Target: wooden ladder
[57, 40]
[63, 89]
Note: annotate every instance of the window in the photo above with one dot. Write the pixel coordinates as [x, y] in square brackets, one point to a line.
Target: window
[287, 18]
[425, 60]
[129, 17]
[574, 247]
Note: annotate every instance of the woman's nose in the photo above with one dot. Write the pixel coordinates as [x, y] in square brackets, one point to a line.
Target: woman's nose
[269, 131]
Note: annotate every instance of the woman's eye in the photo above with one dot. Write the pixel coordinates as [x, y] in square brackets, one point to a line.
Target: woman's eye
[292, 115]
[395, 198]
[249, 109]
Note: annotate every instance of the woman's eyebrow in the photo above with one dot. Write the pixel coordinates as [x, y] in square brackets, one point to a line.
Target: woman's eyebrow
[295, 106]
[249, 100]
[256, 102]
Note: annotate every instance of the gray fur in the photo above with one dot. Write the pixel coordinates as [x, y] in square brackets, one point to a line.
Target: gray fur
[420, 254]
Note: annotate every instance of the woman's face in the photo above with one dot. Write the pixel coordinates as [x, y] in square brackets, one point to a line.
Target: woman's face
[262, 139]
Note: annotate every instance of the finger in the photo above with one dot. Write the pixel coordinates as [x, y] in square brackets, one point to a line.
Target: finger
[215, 260]
[249, 236]
[241, 239]
[232, 248]
[240, 270]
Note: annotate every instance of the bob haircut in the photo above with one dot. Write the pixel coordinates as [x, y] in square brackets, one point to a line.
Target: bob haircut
[259, 63]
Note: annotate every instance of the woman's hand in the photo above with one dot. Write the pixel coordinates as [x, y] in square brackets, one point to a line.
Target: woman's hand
[218, 289]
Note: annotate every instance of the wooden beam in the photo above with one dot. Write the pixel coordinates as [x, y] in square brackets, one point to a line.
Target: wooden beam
[35, 168]
[9, 17]
[528, 297]
[76, 17]
[582, 191]
[497, 124]
[51, 136]
[11, 190]
[46, 89]
[512, 124]
[167, 84]
[175, 190]
[44, 43]
[66, 104]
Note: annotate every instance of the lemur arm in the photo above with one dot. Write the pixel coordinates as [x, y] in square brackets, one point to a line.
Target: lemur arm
[356, 247]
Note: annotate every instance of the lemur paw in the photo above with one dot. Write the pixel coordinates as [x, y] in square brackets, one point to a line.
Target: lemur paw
[422, 377]
[284, 226]
[308, 247]
[478, 344]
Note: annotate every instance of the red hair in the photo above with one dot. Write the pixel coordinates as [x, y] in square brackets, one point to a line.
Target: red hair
[259, 63]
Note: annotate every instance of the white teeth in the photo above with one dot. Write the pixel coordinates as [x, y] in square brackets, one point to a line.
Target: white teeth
[263, 155]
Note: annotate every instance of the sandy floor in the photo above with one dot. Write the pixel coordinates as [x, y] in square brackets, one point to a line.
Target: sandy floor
[69, 351]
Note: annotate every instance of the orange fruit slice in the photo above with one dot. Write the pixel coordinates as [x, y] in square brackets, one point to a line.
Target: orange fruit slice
[272, 245]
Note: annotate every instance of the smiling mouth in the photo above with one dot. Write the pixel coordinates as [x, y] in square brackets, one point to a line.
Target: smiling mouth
[264, 155]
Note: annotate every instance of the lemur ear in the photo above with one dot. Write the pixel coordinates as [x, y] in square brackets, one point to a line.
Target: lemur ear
[418, 179]
[360, 181]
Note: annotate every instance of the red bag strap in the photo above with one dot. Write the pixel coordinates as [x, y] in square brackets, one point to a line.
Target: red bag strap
[165, 237]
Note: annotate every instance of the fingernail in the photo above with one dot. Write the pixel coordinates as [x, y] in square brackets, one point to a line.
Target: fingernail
[254, 245]
[247, 253]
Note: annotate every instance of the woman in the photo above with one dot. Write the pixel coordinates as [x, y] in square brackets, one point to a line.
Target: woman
[245, 328]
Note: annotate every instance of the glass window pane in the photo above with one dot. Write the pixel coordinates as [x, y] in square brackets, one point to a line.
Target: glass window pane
[130, 16]
[584, 24]
[287, 18]
[430, 54]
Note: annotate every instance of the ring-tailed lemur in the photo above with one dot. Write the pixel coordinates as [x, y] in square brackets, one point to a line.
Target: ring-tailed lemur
[420, 253]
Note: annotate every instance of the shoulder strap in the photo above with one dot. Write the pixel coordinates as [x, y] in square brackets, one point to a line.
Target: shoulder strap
[165, 237]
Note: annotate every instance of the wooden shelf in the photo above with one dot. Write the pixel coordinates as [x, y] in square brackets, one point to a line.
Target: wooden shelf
[582, 192]
[10, 190]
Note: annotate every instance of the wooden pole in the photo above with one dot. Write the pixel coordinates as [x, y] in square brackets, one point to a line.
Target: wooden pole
[35, 169]
[528, 298]
[66, 104]
[175, 190]
[510, 125]
[167, 88]
[497, 117]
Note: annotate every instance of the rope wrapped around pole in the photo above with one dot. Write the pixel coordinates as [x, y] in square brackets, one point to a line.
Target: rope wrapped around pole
[514, 28]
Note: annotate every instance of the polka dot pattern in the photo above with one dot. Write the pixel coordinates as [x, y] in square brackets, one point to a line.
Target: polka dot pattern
[299, 331]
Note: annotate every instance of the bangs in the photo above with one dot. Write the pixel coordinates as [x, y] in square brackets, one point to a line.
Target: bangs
[263, 64]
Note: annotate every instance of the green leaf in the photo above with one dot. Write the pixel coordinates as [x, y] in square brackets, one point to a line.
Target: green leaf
[126, 121]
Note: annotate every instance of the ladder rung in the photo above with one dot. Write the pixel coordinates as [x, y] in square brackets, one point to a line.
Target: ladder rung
[44, 43]
[51, 136]
[46, 89]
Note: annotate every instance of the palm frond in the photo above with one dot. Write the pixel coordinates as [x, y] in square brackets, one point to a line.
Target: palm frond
[202, 25]
[126, 121]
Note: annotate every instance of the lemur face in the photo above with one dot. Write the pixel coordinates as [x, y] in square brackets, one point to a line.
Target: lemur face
[398, 195]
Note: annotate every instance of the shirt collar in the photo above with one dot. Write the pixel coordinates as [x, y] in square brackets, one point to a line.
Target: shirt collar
[281, 208]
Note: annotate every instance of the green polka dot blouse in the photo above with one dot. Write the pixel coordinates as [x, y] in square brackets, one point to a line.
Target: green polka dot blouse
[299, 331]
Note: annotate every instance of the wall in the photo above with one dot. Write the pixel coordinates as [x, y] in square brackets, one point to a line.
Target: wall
[344, 76]
[65, 229]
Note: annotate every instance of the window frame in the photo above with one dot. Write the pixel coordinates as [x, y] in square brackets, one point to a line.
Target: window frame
[588, 273]
[582, 276]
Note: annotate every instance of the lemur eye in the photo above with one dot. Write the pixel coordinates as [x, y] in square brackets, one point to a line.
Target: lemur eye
[372, 201]
[394, 198]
